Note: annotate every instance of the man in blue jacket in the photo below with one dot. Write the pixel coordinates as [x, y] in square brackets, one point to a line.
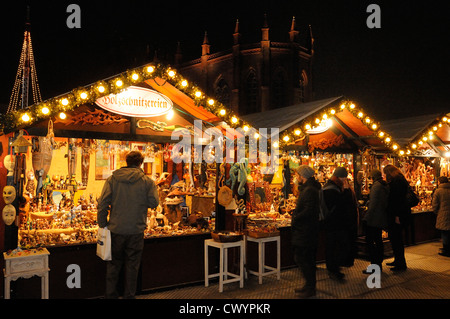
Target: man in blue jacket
[125, 199]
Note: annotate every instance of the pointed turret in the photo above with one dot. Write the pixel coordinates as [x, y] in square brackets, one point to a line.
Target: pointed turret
[293, 34]
[205, 45]
[310, 40]
[236, 34]
[265, 29]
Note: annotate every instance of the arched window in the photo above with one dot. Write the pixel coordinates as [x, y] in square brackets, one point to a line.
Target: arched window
[251, 93]
[222, 92]
[279, 89]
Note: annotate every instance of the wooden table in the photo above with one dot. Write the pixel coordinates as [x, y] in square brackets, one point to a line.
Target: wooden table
[26, 264]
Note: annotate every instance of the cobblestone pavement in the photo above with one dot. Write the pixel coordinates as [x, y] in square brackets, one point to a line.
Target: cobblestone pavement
[427, 277]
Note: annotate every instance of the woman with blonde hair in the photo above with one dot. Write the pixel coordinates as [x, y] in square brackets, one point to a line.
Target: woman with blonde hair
[399, 214]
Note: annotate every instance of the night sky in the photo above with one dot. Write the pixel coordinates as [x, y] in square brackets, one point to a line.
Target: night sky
[399, 70]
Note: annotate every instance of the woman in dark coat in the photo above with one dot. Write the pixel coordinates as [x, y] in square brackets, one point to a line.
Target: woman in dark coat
[340, 223]
[399, 214]
[441, 206]
[305, 229]
[376, 218]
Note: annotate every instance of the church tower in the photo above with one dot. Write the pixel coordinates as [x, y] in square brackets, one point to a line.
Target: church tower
[254, 77]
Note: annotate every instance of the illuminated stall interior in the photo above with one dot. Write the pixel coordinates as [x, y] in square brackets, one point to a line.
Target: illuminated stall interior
[324, 134]
[426, 141]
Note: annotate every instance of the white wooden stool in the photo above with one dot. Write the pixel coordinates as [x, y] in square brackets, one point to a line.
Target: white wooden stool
[27, 265]
[262, 267]
[223, 263]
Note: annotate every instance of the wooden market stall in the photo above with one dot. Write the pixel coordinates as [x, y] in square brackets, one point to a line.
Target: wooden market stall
[74, 141]
[324, 134]
[422, 156]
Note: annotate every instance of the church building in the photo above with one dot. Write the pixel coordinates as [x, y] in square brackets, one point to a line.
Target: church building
[255, 77]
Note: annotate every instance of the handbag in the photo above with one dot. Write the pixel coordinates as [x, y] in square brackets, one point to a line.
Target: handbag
[411, 197]
[104, 243]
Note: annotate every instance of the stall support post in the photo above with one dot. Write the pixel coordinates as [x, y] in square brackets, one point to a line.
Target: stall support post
[220, 210]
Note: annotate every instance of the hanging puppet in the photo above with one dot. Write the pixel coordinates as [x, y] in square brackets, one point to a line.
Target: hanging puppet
[41, 155]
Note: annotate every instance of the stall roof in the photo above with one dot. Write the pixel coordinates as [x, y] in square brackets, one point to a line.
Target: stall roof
[286, 117]
[404, 130]
[349, 128]
[427, 134]
[79, 105]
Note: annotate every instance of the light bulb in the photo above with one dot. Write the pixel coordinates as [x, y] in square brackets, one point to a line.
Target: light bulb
[25, 117]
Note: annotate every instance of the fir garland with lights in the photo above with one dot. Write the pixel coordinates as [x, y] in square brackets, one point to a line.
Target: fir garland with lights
[60, 105]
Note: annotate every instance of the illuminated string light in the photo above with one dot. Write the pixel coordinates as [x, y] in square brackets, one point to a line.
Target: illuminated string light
[65, 102]
[25, 117]
[19, 98]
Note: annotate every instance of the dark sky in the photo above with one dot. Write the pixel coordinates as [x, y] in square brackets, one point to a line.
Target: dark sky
[399, 70]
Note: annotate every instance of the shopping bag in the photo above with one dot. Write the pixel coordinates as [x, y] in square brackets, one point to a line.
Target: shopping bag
[104, 243]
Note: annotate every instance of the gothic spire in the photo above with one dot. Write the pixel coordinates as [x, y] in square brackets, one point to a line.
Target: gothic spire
[205, 45]
[265, 29]
[293, 34]
[236, 34]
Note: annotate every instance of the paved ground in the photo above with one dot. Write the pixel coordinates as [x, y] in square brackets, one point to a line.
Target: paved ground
[427, 277]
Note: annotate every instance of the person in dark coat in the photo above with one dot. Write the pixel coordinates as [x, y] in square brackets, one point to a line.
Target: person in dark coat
[305, 229]
[340, 224]
[376, 218]
[441, 206]
[399, 214]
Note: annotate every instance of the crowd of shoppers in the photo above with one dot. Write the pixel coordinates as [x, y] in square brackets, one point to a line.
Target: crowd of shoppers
[387, 210]
[128, 193]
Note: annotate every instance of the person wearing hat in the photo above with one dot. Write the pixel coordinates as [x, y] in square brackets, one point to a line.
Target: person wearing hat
[340, 224]
[376, 218]
[305, 229]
